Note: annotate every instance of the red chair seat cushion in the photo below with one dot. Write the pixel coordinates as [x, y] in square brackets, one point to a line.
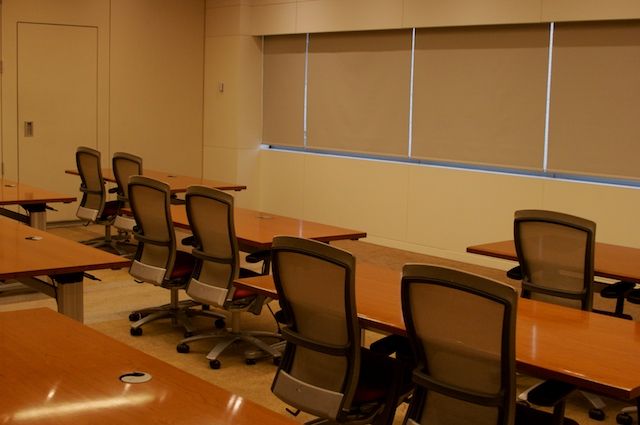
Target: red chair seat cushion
[243, 293]
[111, 208]
[377, 377]
[183, 266]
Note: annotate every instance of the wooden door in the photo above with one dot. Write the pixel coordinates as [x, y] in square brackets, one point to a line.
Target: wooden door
[57, 105]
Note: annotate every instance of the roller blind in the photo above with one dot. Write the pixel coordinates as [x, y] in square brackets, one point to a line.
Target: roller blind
[480, 95]
[358, 91]
[283, 90]
[595, 99]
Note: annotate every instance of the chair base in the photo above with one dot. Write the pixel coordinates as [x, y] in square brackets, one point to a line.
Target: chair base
[180, 313]
[108, 241]
[229, 336]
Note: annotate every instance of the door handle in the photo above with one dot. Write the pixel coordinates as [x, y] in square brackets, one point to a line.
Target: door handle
[28, 129]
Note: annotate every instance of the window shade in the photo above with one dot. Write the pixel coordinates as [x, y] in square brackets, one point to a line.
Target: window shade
[595, 99]
[283, 90]
[480, 95]
[358, 91]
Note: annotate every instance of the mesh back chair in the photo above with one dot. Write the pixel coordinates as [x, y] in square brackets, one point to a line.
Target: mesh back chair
[210, 214]
[462, 331]
[94, 207]
[556, 254]
[324, 371]
[157, 259]
[125, 165]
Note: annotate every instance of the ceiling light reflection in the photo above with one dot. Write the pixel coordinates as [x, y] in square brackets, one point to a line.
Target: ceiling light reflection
[79, 406]
[234, 403]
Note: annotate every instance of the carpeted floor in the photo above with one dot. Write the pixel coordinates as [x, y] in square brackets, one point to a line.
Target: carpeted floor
[109, 301]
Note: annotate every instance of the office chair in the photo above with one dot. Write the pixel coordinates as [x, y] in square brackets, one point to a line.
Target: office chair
[556, 253]
[157, 259]
[125, 165]
[462, 331]
[324, 370]
[94, 207]
[215, 247]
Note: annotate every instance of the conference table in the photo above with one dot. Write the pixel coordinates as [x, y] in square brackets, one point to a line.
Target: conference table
[592, 351]
[611, 261]
[177, 183]
[255, 230]
[34, 200]
[30, 255]
[58, 371]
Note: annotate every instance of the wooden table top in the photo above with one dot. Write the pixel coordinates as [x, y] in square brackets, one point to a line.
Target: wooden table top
[178, 183]
[14, 193]
[611, 261]
[21, 256]
[257, 229]
[593, 351]
[57, 371]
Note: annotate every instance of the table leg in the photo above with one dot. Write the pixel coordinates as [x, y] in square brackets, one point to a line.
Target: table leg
[70, 295]
[37, 215]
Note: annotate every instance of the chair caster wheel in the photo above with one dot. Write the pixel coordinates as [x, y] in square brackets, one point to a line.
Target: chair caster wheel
[182, 348]
[134, 317]
[276, 361]
[624, 419]
[219, 324]
[215, 364]
[135, 331]
[596, 414]
[250, 361]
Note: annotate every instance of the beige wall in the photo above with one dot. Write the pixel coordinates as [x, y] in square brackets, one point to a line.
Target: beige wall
[432, 210]
[68, 12]
[150, 76]
[233, 99]
[157, 77]
[299, 16]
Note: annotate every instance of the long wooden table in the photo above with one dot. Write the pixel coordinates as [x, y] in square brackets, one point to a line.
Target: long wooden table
[611, 261]
[34, 200]
[27, 254]
[592, 351]
[57, 371]
[178, 183]
[255, 230]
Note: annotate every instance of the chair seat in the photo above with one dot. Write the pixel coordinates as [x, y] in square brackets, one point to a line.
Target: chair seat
[243, 293]
[111, 208]
[550, 392]
[618, 289]
[183, 266]
[376, 377]
[634, 296]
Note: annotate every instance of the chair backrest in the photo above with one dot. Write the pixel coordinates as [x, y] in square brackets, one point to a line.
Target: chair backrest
[125, 165]
[92, 186]
[150, 203]
[319, 370]
[462, 331]
[555, 252]
[210, 214]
